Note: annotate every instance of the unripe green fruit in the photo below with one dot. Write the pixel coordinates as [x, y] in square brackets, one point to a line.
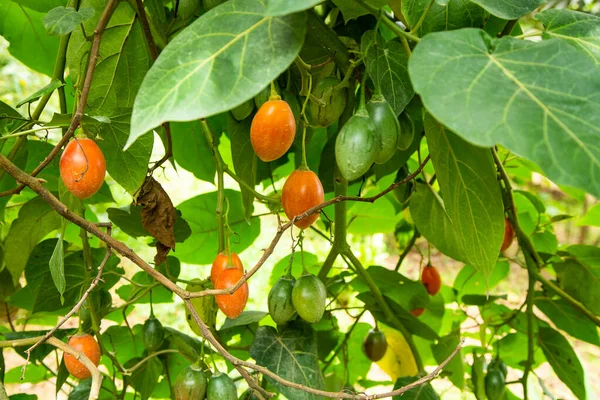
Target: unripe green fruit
[334, 103]
[387, 128]
[280, 301]
[153, 334]
[495, 384]
[404, 191]
[191, 384]
[355, 146]
[309, 296]
[375, 345]
[221, 387]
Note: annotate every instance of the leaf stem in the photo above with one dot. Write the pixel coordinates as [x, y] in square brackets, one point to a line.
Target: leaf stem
[388, 22]
[422, 18]
[210, 138]
[407, 249]
[256, 194]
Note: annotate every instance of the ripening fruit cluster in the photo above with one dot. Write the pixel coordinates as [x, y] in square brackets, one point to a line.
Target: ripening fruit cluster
[306, 297]
[195, 382]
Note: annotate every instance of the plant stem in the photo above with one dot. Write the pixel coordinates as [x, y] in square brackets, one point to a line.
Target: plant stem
[346, 337]
[508, 28]
[145, 360]
[385, 306]
[210, 138]
[388, 22]
[407, 249]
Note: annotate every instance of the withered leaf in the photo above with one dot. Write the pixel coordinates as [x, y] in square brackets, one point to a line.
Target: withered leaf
[158, 216]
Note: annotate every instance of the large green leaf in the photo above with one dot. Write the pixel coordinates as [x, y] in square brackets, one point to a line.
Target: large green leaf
[189, 146]
[387, 65]
[455, 369]
[36, 219]
[568, 318]
[244, 159]
[145, 378]
[580, 275]
[42, 6]
[591, 218]
[40, 295]
[222, 59]
[199, 212]
[129, 167]
[284, 7]
[541, 108]
[20, 160]
[469, 281]
[291, 354]
[577, 28]
[563, 360]
[23, 28]
[455, 14]
[509, 9]
[122, 62]
[471, 194]
[423, 392]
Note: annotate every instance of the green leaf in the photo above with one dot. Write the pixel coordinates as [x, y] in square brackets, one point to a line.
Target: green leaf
[189, 146]
[127, 168]
[145, 378]
[509, 9]
[82, 390]
[122, 62]
[222, 59]
[8, 124]
[61, 376]
[291, 354]
[568, 318]
[413, 324]
[580, 276]
[33, 374]
[370, 218]
[244, 160]
[128, 219]
[43, 296]
[387, 65]
[455, 14]
[563, 360]
[63, 20]
[359, 365]
[36, 219]
[472, 198]
[49, 88]
[23, 28]
[545, 242]
[455, 369]
[57, 268]
[40, 352]
[591, 218]
[124, 343]
[544, 119]
[199, 212]
[20, 160]
[469, 281]
[576, 28]
[245, 318]
[352, 9]
[284, 7]
[423, 392]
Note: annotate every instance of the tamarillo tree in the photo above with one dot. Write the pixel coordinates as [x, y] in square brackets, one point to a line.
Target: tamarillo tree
[243, 165]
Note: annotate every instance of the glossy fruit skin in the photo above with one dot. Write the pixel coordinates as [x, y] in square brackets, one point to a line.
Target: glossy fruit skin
[374, 345]
[406, 134]
[387, 128]
[243, 111]
[417, 312]
[153, 334]
[509, 235]
[232, 305]
[335, 102]
[82, 171]
[191, 384]
[497, 363]
[205, 306]
[494, 384]
[355, 146]
[273, 129]
[431, 279]
[222, 262]
[221, 387]
[281, 307]
[309, 296]
[88, 345]
[302, 190]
